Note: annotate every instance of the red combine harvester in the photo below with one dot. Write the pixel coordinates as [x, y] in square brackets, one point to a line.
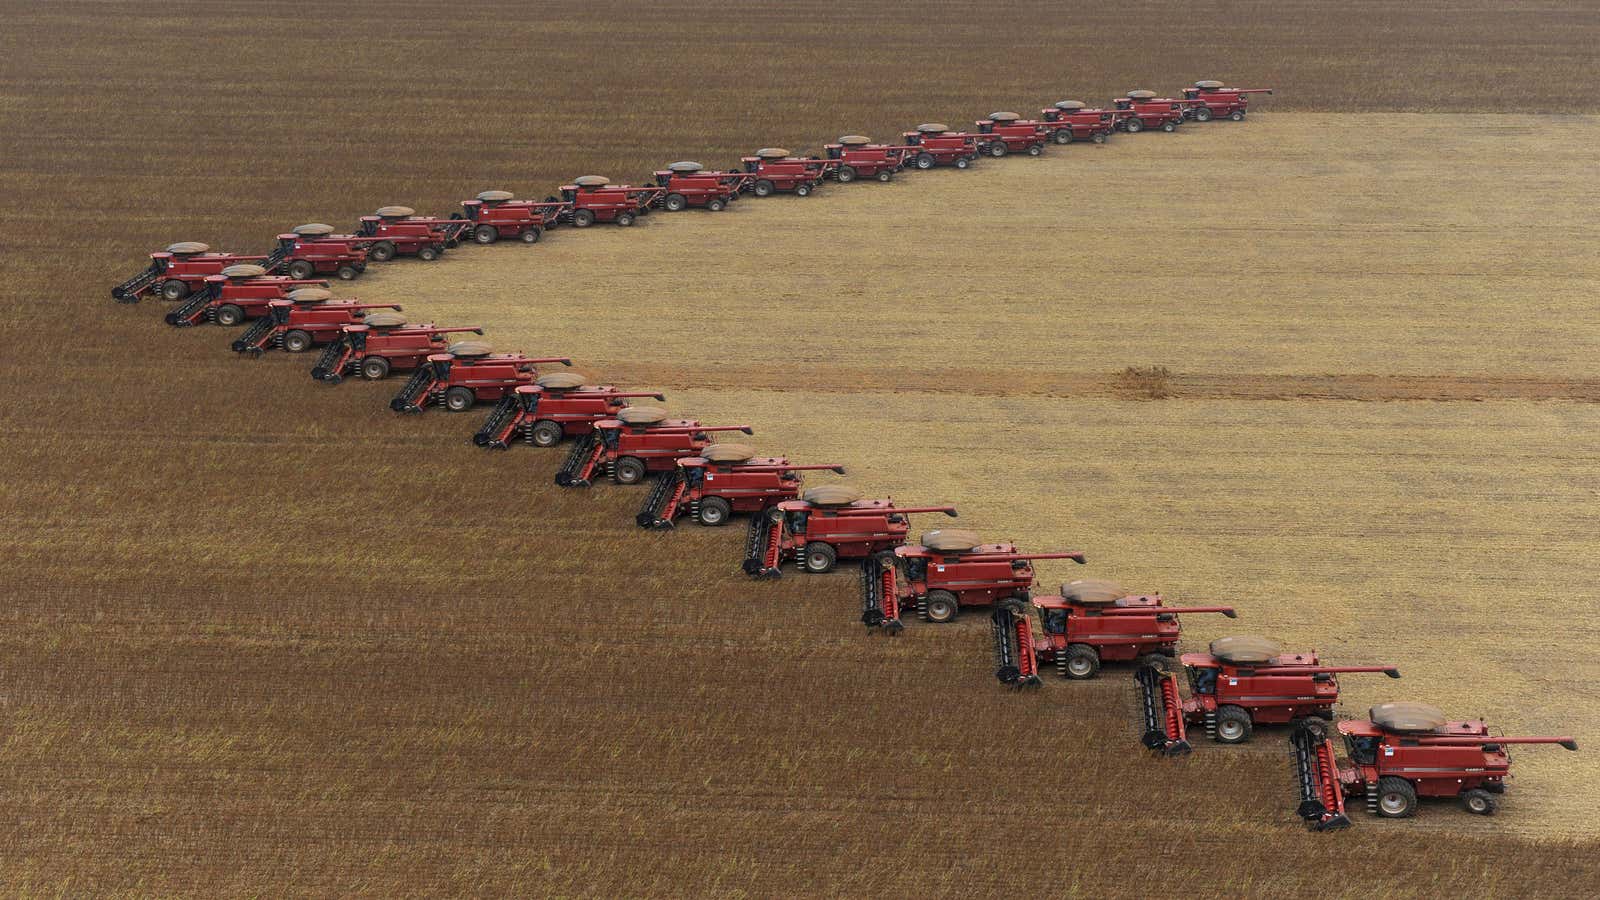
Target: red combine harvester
[593, 198]
[934, 144]
[640, 440]
[556, 405]
[1008, 132]
[1073, 120]
[1400, 753]
[314, 249]
[858, 157]
[949, 569]
[828, 523]
[495, 215]
[399, 231]
[1091, 622]
[1218, 102]
[380, 344]
[1143, 109]
[177, 270]
[772, 170]
[306, 318]
[240, 292]
[465, 374]
[1243, 682]
[687, 184]
[724, 479]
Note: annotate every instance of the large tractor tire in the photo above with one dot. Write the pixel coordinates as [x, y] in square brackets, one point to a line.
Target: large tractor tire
[1397, 798]
[818, 558]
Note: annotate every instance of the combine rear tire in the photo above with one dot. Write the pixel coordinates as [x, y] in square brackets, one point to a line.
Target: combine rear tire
[459, 399]
[1169, 127]
[228, 315]
[1203, 114]
[347, 273]
[1063, 135]
[582, 218]
[925, 160]
[486, 234]
[962, 162]
[885, 176]
[942, 606]
[1082, 661]
[1479, 802]
[374, 368]
[716, 204]
[714, 511]
[1237, 115]
[1233, 725]
[630, 470]
[624, 219]
[802, 190]
[846, 174]
[382, 251]
[1134, 125]
[763, 188]
[1100, 138]
[427, 253]
[1156, 661]
[530, 235]
[546, 433]
[173, 289]
[301, 269]
[819, 558]
[296, 341]
[1035, 149]
[1397, 798]
[675, 203]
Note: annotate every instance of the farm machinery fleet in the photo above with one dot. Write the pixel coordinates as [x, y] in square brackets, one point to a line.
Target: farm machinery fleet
[1401, 753]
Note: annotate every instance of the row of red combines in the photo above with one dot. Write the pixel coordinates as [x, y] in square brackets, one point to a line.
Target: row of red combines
[1242, 684]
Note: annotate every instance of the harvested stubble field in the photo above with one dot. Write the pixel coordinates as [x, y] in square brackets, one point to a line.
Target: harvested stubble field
[264, 638]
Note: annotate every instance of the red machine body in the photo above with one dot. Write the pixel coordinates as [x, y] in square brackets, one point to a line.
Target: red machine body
[858, 157]
[305, 319]
[1089, 623]
[1143, 109]
[314, 249]
[639, 441]
[593, 198]
[1217, 101]
[1008, 132]
[934, 144]
[772, 170]
[687, 184]
[826, 524]
[555, 406]
[1073, 120]
[465, 374]
[380, 344]
[177, 270]
[1401, 753]
[399, 231]
[723, 480]
[495, 214]
[948, 570]
[232, 298]
[1242, 682]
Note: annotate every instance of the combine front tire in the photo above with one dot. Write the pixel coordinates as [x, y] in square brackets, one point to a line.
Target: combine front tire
[1082, 662]
[1233, 725]
[296, 341]
[1156, 661]
[1134, 125]
[630, 470]
[228, 315]
[382, 251]
[1479, 802]
[427, 253]
[714, 511]
[997, 149]
[764, 188]
[546, 433]
[1203, 114]
[819, 558]
[942, 606]
[582, 218]
[173, 289]
[1063, 135]
[925, 160]
[486, 234]
[675, 203]
[459, 399]
[846, 174]
[1397, 798]
[374, 368]
[301, 269]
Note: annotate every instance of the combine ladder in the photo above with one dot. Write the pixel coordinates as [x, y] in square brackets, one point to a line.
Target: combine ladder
[661, 505]
[1164, 728]
[580, 465]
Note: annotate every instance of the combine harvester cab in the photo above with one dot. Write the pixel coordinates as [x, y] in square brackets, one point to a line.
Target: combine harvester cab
[1142, 110]
[641, 440]
[497, 214]
[1401, 753]
[826, 524]
[313, 249]
[464, 375]
[773, 171]
[934, 144]
[1210, 100]
[555, 406]
[176, 271]
[399, 231]
[382, 343]
[857, 157]
[1072, 120]
[240, 292]
[593, 198]
[687, 184]
[949, 569]
[723, 480]
[1089, 623]
[308, 317]
[1244, 681]
[1008, 132]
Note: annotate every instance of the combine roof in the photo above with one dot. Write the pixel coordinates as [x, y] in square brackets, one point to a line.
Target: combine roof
[1208, 83]
[946, 539]
[313, 229]
[394, 212]
[772, 153]
[495, 196]
[1407, 718]
[1095, 591]
[933, 128]
[591, 181]
[831, 495]
[1141, 95]
[470, 349]
[1245, 648]
[1004, 117]
[384, 319]
[685, 167]
[854, 140]
[310, 295]
[728, 453]
[1071, 104]
[187, 248]
[244, 270]
[560, 380]
[641, 415]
